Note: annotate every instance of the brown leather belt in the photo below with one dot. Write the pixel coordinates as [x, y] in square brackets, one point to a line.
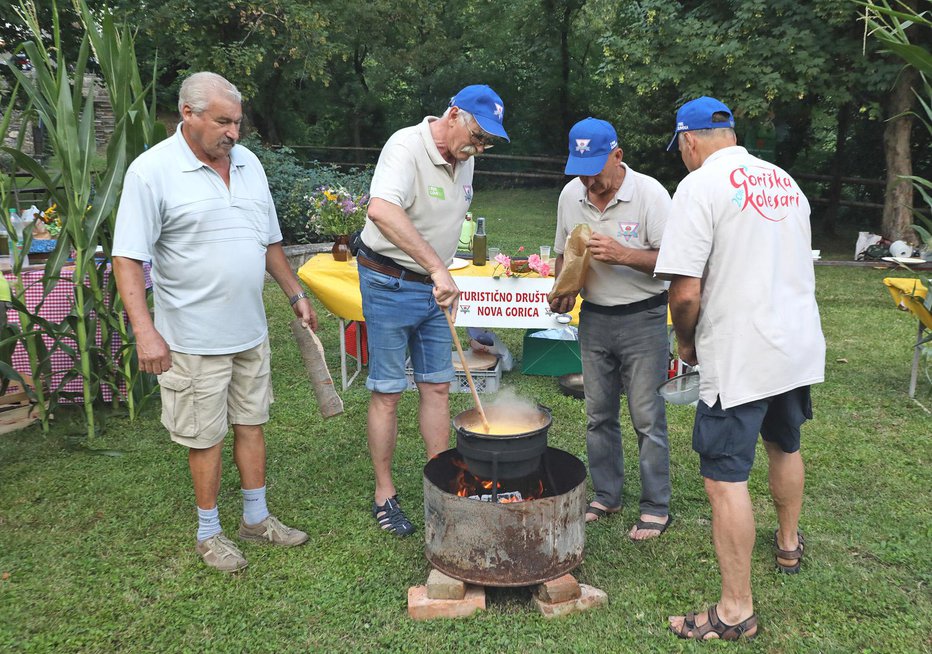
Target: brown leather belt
[392, 271]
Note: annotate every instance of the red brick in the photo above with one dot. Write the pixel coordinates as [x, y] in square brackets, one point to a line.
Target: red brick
[421, 607]
[561, 589]
[441, 586]
[590, 598]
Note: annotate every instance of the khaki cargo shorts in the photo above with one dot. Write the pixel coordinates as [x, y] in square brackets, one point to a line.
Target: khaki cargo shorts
[203, 394]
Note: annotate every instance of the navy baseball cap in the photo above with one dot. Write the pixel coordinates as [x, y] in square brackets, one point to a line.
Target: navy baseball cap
[591, 141]
[485, 106]
[697, 114]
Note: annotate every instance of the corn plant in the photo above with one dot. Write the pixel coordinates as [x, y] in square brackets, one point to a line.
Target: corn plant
[86, 198]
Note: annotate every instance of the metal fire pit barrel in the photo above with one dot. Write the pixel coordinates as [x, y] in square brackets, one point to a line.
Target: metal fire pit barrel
[513, 544]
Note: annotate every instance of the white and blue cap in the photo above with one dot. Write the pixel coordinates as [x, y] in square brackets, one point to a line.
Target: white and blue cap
[697, 114]
[591, 141]
[485, 106]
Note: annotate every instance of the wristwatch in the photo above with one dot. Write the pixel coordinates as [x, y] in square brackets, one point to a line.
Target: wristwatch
[294, 298]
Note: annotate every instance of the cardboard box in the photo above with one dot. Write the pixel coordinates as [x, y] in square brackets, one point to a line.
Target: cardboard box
[544, 356]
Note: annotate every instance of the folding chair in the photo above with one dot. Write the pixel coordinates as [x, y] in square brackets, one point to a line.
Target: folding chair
[912, 295]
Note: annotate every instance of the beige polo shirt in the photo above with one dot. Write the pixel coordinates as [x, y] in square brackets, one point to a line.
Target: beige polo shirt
[412, 174]
[636, 218]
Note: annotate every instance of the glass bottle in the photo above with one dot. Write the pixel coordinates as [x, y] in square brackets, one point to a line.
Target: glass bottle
[479, 250]
[16, 238]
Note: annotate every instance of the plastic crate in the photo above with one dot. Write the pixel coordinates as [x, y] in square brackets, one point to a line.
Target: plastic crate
[486, 381]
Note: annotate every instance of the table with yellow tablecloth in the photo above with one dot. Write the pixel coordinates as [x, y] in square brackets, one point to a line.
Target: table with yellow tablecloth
[336, 285]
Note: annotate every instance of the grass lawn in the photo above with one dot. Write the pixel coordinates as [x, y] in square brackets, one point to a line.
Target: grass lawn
[96, 552]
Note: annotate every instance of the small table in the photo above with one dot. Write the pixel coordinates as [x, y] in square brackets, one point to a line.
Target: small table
[56, 306]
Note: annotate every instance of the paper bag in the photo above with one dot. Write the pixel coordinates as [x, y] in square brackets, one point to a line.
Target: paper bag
[575, 263]
[312, 352]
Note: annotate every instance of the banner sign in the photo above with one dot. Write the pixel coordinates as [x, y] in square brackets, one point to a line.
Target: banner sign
[510, 302]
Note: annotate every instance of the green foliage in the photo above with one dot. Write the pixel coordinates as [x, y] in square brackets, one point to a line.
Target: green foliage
[85, 193]
[291, 182]
[905, 32]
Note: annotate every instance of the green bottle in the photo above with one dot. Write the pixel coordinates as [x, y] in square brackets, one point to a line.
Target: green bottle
[466, 233]
[479, 249]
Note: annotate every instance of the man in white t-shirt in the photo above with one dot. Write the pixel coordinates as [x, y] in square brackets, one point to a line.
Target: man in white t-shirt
[622, 321]
[198, 206]
[420, 192]
[742, 296]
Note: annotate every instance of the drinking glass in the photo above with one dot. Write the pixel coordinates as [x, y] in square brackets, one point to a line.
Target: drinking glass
[545, 253]
[494, 252]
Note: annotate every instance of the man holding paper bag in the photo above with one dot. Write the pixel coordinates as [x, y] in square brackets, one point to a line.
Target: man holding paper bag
[622, 321]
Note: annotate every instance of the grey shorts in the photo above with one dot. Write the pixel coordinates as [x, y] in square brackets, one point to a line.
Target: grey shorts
[203, 394]
[726, 439]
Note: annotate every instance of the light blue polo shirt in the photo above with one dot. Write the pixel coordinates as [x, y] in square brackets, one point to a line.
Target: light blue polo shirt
[206, 242]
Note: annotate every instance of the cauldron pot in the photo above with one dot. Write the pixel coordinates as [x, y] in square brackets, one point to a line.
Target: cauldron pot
[508, 456]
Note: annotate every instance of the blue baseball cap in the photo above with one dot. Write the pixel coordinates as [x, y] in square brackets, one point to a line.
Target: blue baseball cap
[697, 114]
[591, 141]
[485, 106]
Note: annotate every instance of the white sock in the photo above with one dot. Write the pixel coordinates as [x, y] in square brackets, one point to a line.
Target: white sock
[254, 508]
[208, 523]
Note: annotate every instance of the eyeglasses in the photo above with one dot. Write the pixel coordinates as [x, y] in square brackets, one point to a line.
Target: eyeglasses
[481, 139]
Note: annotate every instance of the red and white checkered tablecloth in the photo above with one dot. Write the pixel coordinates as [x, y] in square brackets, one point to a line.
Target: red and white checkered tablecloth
[57, 306]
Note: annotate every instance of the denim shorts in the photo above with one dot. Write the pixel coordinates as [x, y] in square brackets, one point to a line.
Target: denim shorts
[726, 438]
[401, 317]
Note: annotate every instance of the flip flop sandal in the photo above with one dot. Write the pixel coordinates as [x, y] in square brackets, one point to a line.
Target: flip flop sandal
[689, 630]
[789, 555]
[391, 518]
[599, 512]
[655, 526]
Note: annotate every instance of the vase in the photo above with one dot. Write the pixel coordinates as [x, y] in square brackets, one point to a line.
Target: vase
[340, 249]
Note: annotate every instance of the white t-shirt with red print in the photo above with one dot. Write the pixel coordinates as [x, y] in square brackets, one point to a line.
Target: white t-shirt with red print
[741, 224]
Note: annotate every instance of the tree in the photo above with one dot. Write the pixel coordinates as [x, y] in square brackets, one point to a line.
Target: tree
[889, 25]
[780, 64]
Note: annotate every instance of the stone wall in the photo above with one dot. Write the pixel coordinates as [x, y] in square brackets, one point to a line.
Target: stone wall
[103, 120]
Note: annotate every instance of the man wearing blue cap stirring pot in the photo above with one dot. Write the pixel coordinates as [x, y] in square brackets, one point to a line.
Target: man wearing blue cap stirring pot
[622, 321]
[421, 190]
[742, 296]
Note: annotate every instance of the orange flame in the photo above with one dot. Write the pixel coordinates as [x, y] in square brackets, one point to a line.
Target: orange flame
[467, 485]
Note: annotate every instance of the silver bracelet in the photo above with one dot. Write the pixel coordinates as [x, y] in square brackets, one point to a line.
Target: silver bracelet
[294, 298]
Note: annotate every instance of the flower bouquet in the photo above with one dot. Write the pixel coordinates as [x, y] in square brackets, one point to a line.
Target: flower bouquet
[334, 211]
[513, 267]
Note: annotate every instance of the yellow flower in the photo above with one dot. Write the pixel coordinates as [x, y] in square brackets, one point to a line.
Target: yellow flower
[330, 195]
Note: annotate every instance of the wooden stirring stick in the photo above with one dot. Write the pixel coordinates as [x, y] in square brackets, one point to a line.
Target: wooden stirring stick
[472, 386]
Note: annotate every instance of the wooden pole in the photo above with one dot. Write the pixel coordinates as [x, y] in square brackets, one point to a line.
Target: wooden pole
[472, 386]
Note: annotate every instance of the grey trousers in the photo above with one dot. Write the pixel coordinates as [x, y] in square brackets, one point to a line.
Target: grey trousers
[626, 353]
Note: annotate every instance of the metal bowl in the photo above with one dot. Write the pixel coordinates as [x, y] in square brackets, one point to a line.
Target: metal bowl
[572, 385]
[683, 389]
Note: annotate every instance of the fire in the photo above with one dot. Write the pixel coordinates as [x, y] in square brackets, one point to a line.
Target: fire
[467, 484]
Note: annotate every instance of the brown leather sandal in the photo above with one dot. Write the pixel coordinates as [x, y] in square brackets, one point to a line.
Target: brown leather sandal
[789, 555]
[690, 631]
